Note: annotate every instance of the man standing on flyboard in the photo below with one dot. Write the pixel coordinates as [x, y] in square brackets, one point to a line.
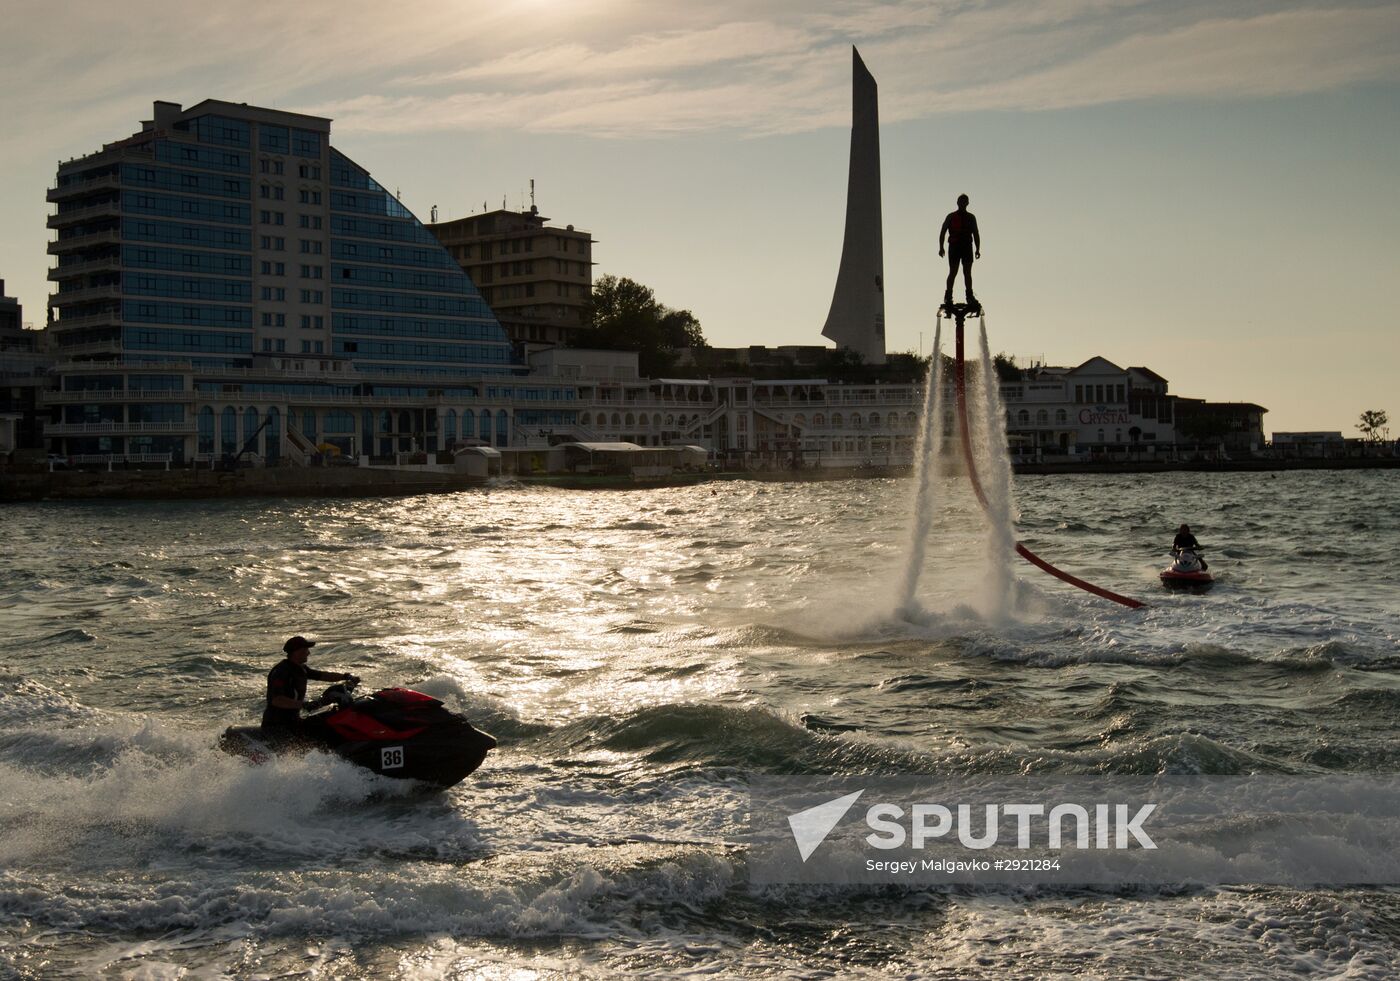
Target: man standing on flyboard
[964, 245]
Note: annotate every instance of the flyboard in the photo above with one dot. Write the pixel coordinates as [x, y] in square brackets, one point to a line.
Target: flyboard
[959, 312]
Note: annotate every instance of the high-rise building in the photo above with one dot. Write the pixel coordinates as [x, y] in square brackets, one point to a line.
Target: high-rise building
[856, 319]
[226, 274]
[536, 277]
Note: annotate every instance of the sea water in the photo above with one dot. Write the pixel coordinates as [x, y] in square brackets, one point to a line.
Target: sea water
[639, 654]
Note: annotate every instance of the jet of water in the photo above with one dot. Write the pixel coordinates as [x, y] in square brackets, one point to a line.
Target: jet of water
[928, 455]
[993, 463]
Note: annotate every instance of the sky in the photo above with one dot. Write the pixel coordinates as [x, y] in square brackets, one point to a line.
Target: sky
[1208, 189]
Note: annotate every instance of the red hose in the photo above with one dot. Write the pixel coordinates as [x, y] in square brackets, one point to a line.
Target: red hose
[960, 388]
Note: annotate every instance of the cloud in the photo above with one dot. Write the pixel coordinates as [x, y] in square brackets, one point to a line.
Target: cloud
[621, 68]
[766, 76]
[1274, 54]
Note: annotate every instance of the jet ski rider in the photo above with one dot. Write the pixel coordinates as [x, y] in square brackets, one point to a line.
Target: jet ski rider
[1185, 540]
[286, 690]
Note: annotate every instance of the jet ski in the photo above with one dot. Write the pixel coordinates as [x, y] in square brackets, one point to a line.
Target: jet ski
[395, 732]
[1187, 571]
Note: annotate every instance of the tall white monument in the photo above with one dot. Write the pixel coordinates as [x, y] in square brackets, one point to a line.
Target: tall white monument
[857, 316]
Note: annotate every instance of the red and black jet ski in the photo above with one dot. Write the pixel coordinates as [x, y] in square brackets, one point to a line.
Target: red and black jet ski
[394, 732]
[1187, 571]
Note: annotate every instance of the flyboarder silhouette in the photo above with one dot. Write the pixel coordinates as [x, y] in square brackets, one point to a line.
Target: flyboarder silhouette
[964, 245]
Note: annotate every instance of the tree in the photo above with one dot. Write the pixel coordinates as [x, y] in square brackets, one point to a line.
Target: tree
[1374, 425]
[1005, 366]
[625, 316]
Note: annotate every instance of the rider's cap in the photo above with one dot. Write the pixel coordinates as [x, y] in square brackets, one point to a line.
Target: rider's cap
[296, 644]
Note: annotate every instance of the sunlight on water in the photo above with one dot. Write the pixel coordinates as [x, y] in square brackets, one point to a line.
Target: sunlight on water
[637, 653]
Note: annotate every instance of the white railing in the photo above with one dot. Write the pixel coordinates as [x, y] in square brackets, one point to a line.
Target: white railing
[104, 397]
[111, 458]
[107, 428]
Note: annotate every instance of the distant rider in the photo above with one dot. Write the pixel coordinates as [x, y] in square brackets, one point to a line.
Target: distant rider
[1185, 540]
[286, 690]
[964, 244]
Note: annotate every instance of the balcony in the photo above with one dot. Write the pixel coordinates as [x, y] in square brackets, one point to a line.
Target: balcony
[65, 218]
[77, 243]
[110, 291]
[61, 272]
[117, 428]
[112, 347]
[111, 317]
[78, 188]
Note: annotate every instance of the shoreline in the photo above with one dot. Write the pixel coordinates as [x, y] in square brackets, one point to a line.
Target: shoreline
[381, 482]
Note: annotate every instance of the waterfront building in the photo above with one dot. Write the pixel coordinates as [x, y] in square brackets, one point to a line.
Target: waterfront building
[22, 367]
[231, 286]
[535, 277]
[1095, 411]
[856, 319]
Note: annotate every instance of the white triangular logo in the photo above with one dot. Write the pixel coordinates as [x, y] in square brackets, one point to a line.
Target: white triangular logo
[810, 827]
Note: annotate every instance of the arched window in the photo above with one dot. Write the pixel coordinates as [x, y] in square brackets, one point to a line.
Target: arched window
[1023, 417]
[819, 420]
[405, 422]
[485, 430]
[502, 428]
[340, 421]
[1042, 417]
[206, 429]
[272, 436]
[468, 423]
[308, 426]
[874, 420]
[910, 420]
[585, 419]
[616, 420]
[630, 420]
[449, 427]
[856, 421]
[836, 420]
[1061, 416]
[228, 437]
[800, 420]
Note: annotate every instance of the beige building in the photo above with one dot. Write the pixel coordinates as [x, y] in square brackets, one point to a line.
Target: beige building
[536, 278]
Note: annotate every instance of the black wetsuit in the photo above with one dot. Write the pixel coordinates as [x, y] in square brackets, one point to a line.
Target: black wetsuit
[288, 680]
[1188, 540]
[961, 227]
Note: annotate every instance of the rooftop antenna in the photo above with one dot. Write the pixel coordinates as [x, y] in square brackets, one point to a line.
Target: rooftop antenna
[433, 219]
[532, 194]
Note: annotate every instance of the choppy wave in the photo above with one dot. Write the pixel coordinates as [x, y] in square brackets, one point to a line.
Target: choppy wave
[638, 654]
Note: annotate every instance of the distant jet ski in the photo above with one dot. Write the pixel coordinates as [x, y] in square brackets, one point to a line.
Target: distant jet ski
[1187, 571]
[394, 732]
